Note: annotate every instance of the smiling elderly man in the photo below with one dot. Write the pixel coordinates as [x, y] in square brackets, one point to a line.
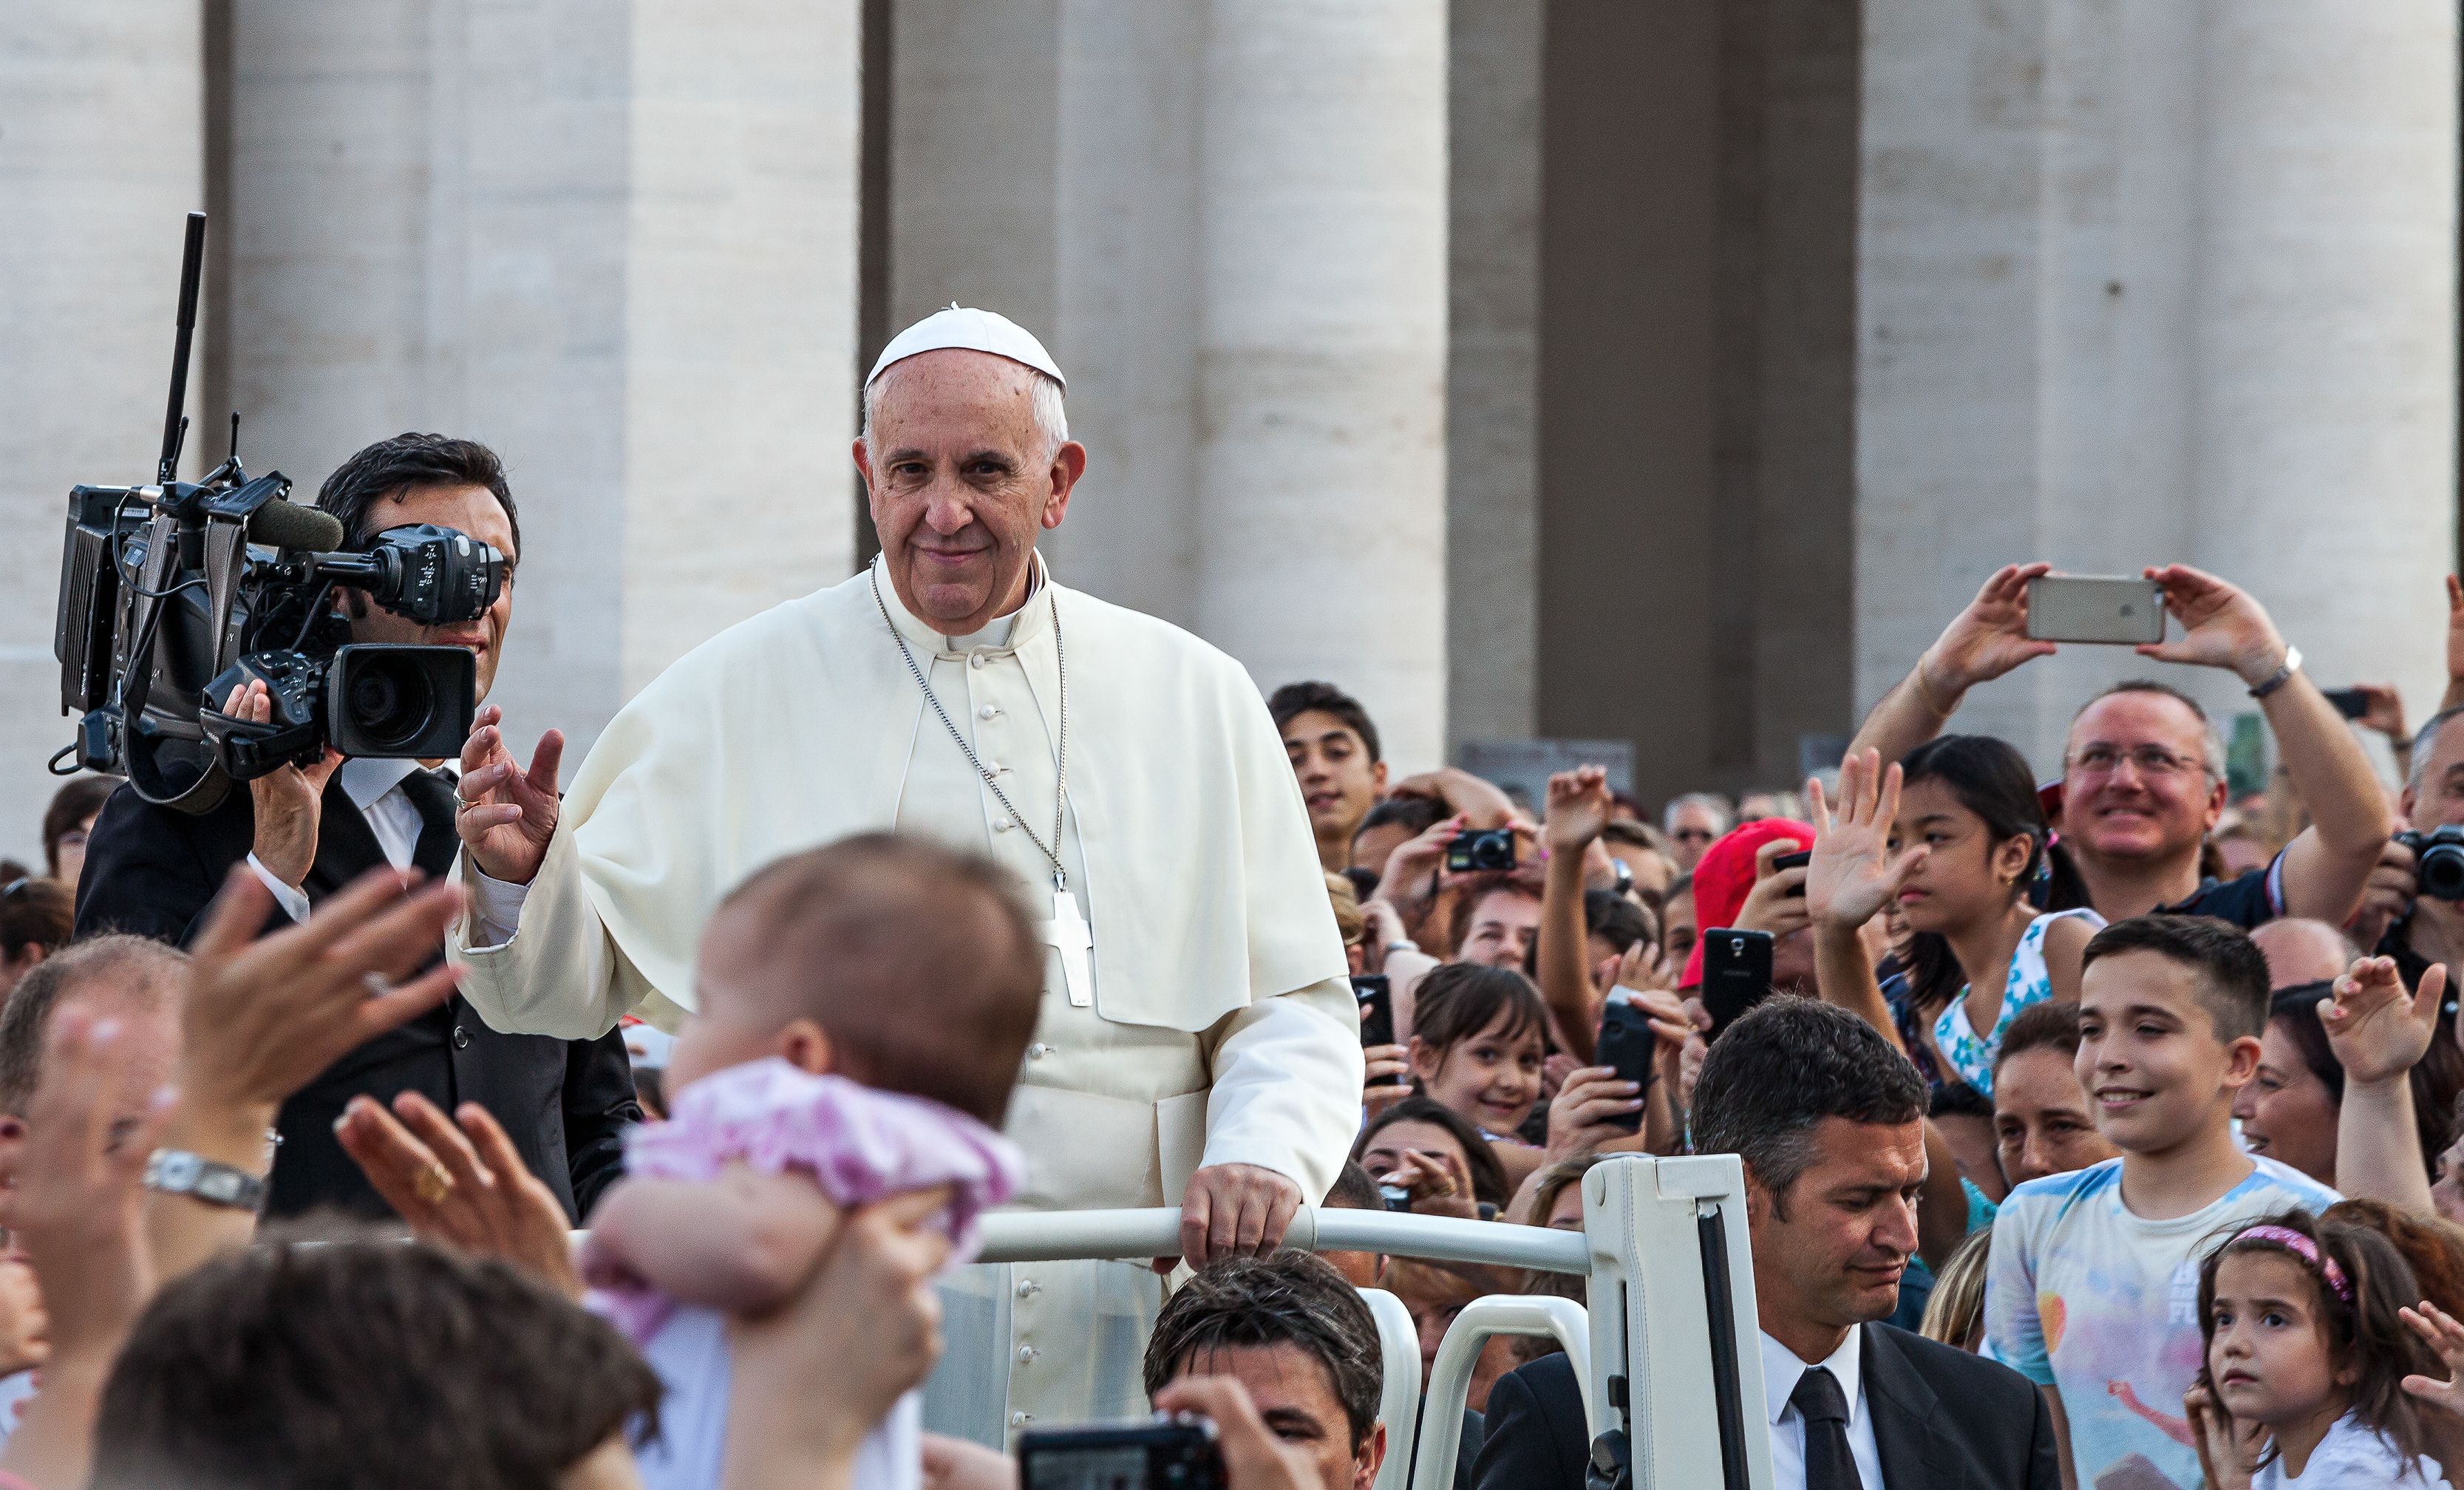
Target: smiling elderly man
[1197, 1040]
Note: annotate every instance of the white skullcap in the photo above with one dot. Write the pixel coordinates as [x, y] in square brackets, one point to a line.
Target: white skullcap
[968, 330]
[647, 1046]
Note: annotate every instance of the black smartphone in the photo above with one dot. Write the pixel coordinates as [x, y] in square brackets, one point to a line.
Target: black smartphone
[2350, 702]
[1166, 1453]
[1736, 974]
[1627, 1044]
[1375, 992]
[1795, 861]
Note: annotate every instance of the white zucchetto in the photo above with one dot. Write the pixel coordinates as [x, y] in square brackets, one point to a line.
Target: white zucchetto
[968, 330]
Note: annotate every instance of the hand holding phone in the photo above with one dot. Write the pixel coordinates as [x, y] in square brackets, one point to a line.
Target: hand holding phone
[2103, 609]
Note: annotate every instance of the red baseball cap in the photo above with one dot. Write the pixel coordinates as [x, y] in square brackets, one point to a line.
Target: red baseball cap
[1726, 873]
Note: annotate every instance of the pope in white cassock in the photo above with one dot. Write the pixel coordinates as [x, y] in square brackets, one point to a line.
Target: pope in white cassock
[1199, 1039]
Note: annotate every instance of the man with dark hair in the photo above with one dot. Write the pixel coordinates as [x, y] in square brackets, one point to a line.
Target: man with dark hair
[297, 1364]
[1389, 826]
[1354, 1190]
[1333, 746]
[1289, 1329]
[307, 832]
[1829, 1122]
[2143, 769]
[68, 821]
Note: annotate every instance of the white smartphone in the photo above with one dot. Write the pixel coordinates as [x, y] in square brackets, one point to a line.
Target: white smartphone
[2110, 610]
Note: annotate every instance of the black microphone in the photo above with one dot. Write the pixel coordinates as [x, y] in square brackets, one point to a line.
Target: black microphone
[290, 525]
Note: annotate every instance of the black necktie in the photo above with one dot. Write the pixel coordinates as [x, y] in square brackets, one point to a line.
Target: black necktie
[1824, 1407]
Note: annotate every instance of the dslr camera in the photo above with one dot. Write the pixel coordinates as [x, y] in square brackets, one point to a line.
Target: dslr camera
[2438, 860]
[174, 594]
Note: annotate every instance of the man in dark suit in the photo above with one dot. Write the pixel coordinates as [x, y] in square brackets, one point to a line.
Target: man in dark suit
[308, 832]
[1829, 1121]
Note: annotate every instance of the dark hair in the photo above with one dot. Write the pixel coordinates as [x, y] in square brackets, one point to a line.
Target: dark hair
[1958, 1098]
[1614, 919]
[1353, 1190]
[35, 913]
[2052, 1024]
[2365, 1333]
[1487, 1175]
[1780, 1069]
[2295, 1010]
[136, 966]
[1294, 700]
[1415, 815]
[391, 470]
[1458, 1000]
[1284, 1298]
[369, 1361]
[71, 806]
[860, 931]
[1992, 781]
[2233, 985]
[2432, 1246]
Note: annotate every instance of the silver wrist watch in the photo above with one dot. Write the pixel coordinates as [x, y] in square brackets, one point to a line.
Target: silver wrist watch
[176, 1172]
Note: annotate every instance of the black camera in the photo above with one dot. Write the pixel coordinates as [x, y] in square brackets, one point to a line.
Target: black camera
[173, 595]
[2438, 860]
[1492, 850]
[1169, 1453]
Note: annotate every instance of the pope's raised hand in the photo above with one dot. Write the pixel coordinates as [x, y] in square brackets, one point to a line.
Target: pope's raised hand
[506, 814]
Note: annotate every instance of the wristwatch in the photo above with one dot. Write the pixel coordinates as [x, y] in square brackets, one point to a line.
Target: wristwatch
[176, 1172]
[2282, 675]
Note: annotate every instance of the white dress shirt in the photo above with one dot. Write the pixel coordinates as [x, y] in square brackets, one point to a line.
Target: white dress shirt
[374, 788]
[1781, 1368]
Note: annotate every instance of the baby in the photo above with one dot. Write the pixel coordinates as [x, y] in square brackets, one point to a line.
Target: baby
[863, 1009]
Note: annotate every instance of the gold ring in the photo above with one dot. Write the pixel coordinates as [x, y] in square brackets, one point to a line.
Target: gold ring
[434, 1183]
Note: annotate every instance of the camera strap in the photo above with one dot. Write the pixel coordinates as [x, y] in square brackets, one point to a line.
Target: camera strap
[226, 560]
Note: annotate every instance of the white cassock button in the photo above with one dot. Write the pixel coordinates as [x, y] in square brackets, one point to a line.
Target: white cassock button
[988, 711]
[1026, 1353]
[1021, 1419]
[1036, 1052]
[1002, 825]
[974, 659]
[1029, 1287]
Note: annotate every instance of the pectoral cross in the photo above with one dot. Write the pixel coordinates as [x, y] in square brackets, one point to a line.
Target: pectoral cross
[1067, 933]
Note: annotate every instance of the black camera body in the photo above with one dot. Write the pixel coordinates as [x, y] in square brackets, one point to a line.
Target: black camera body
[1176, 1452]
[176, 593]
[2438, 860]
[1478, 850]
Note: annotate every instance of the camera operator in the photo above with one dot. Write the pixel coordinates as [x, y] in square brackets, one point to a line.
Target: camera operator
[2399, 917]
[308, 832]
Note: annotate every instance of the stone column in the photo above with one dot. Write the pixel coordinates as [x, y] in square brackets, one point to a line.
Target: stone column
[101, 119]
[1322, 347]
[2145, 283]
[620, 249]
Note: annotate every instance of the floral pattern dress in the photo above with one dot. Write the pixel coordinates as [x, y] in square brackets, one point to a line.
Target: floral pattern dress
[1970, 1054]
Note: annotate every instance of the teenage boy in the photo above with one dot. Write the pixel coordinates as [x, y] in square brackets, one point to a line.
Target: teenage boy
[1333, 749]
[2092, 1290]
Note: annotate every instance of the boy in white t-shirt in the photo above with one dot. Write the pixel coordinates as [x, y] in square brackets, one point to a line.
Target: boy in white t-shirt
[2093, 1287]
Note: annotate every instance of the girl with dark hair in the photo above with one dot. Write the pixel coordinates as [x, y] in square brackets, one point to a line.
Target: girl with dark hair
[2306, 1351]
[1978, 951]
[1479, 1036]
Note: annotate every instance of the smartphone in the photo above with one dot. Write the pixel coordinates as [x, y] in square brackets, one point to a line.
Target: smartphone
[1795, 861]
[1736, 975]
[1376, 993]
[2350, 702]
[1165, 1453]
[2110, 610]
[1627, 1044]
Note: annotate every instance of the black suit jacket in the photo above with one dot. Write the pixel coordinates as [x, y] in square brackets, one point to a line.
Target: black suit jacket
[1944, 1419]
[564, 1104]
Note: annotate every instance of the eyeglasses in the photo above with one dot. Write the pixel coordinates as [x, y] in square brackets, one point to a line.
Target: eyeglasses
[1691, 835]
[2151, 760]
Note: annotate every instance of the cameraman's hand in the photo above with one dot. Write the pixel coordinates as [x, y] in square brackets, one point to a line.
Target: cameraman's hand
[2222, 625]
[288, 800]
[1254, 1458]
[505, 815]
[2387, 895]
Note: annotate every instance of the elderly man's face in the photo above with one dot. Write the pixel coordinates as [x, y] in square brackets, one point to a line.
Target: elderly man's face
[961, 481]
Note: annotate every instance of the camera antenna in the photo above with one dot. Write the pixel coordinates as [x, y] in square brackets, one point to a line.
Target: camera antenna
[175, 418]
[232, 454]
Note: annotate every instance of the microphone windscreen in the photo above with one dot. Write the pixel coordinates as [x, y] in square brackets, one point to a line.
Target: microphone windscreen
[290, 525]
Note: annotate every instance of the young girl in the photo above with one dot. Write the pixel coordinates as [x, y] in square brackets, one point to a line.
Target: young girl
[2306, 1353]
[1479, 1037]
[1978, 952]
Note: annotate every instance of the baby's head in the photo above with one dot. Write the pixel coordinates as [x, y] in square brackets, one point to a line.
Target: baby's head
[891, 961]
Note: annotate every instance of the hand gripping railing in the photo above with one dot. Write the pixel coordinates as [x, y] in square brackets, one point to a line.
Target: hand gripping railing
[1671, 1288]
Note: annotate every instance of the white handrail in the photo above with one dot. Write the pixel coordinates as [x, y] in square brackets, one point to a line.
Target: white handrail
[1399, 1401]
[1450, 1374]
[1060, 1235]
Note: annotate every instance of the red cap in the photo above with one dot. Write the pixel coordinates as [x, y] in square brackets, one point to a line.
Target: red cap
[1725, 875]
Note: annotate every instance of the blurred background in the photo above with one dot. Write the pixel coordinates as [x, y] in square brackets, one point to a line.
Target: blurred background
[1655, 374]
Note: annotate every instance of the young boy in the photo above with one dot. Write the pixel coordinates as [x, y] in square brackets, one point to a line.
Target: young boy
[2092, 1291]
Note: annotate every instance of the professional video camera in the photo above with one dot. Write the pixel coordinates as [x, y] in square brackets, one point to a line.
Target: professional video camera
[175, 594]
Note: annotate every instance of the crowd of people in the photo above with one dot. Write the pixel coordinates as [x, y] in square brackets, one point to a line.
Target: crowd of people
[2104, 1131]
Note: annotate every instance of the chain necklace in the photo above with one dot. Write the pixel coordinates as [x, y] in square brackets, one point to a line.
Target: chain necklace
[1060, 757]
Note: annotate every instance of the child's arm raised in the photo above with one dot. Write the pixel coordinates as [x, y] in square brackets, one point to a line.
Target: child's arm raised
[743, 1241]
[2378, 1035]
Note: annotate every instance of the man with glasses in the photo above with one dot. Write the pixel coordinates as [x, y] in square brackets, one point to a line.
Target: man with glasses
[2143, 769]
[1693, 822]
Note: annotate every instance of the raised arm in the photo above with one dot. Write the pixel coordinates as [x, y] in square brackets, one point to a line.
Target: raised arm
[1850, 878]
[2224, 626]
[1577, 810]
[2453, 698]
[2378, 1035]
[1982, 643]
[745, 1240]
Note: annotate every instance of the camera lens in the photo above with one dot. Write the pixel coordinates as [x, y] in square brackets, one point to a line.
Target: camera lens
[2442, 871]
[391, 701]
